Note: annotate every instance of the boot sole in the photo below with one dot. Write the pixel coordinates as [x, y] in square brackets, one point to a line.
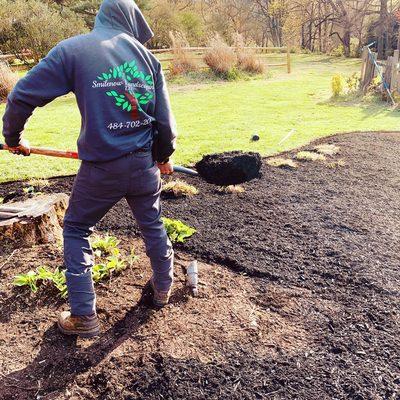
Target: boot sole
[87, 334]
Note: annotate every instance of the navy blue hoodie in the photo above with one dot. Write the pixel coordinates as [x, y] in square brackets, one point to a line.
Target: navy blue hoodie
[119, 86]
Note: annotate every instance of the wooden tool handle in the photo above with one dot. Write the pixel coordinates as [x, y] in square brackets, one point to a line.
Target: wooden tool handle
[48, 152]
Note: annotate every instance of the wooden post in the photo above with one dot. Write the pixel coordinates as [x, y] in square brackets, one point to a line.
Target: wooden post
[364, 64]
[395, 70]
[289, 61]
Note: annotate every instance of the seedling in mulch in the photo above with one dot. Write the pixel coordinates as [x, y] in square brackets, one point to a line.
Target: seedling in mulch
[282, 163]
[1, 200]
[31, 190]
[231, 189]
[327, 149]
[177, 231]
[110, 262]
[310, 156]
[180, 188]
[30, 279]
[105, 246]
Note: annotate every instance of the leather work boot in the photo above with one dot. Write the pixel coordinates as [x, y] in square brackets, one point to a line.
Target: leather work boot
[85, 327]
[160, 299]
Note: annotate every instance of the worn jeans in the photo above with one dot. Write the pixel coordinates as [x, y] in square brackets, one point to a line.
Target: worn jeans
[97, 188]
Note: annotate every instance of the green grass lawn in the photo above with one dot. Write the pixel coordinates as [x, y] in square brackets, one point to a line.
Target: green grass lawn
[218, 117]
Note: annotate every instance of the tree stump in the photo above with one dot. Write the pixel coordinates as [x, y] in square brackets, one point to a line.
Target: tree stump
[37, 220]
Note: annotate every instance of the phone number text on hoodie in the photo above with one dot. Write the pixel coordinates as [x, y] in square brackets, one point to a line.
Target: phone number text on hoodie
[113, 126]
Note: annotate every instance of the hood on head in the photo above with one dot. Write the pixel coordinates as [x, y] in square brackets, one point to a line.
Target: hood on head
[124, 15]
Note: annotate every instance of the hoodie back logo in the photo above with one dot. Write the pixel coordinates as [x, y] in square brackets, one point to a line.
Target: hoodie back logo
[130, 88]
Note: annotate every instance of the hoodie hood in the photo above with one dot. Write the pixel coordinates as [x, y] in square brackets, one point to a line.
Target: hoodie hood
[124, 15]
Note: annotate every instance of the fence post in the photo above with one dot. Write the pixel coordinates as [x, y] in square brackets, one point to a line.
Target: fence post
[364, 64]
[395, 70]
[289, 61]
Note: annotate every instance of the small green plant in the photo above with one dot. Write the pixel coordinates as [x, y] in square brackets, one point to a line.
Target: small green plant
[180, 189]
[110, 262]
[327, 149]
[282, 163]
[30, 279]
[310, 156]
[60, 283]
[177, 231]
[105, 246]
[337, 85]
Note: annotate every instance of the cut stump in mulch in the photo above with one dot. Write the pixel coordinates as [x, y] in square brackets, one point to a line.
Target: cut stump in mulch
[37, 220]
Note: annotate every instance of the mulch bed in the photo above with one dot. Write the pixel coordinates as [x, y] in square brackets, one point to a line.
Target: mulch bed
[300, 295]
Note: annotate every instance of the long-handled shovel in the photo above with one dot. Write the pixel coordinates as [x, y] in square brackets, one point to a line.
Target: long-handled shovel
[74, 155]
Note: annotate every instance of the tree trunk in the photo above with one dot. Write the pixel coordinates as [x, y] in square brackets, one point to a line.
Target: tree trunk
[382, 29]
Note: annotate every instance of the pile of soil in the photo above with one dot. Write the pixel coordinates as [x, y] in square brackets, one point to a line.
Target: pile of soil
[231, 168]
[300, 294]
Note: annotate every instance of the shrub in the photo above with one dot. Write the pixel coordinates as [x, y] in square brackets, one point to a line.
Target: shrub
[180, 188]
[177, 231]
[221, 58]
[353, 83]
[7, 80]
[337, 85]
[247, 59]
[35, 25]
[182, 62]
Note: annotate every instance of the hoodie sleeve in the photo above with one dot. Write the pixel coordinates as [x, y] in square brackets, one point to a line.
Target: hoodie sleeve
[40, 86]
[165, 140]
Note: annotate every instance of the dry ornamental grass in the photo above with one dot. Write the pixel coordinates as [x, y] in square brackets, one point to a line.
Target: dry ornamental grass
[282, 163]
[327, 149]
[180, 188]
[182, 62]
[8, 79]
[247, 59]
[310, 156]
[220, 58]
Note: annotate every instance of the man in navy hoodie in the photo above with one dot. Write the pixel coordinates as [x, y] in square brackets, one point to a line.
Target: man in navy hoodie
[128, 134]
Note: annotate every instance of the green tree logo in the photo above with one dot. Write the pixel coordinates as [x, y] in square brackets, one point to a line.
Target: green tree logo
[129, 102]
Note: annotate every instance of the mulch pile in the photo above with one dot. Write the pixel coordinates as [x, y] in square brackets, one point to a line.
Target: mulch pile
[301, 294]
[231, 168]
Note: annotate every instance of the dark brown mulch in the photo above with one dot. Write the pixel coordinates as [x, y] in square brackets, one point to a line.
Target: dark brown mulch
[230, 168]
[327, 233]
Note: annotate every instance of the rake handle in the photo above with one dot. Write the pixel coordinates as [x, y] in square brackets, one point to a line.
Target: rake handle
[74, 155]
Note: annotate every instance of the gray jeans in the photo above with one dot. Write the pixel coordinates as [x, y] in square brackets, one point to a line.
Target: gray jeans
[97, 188]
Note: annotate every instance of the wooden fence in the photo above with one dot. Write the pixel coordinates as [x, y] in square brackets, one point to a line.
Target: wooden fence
[274, 56]
[281, 55]
[389, 71]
